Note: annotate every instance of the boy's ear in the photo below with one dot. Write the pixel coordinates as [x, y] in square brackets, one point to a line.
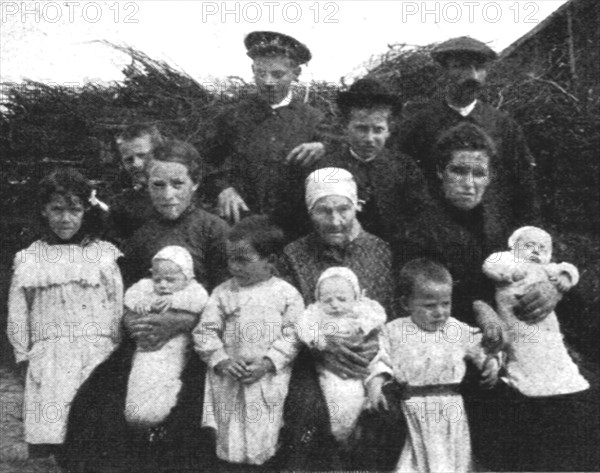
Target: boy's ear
[297, 71]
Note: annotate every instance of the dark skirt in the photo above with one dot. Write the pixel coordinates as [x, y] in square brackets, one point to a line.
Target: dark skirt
[100, 440]
[307, 443]
[513, 432]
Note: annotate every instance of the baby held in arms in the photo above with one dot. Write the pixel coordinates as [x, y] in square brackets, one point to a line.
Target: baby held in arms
[343, 311]
[538, 363]
[154, 381]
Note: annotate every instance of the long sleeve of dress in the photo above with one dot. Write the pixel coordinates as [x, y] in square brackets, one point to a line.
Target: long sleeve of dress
[208, 333]
[285, 347]
[500, 266]
[191, 299]
[569, 269]
[382, 363]
[18, 315]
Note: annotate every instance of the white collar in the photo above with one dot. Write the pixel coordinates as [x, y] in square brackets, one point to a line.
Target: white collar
[357, 156]
[286, 101]
[464, 111]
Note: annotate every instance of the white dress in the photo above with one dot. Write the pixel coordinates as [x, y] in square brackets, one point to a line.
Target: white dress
[538, 363]
[64, 314]
[154, 380]
[248, 322]
[346, 398]
[431, 364]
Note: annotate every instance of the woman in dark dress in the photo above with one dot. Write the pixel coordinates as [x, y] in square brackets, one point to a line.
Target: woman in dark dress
[337, 239]
[99, 438]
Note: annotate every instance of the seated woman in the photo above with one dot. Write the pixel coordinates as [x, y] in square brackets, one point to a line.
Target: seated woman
[470, 222]
[337, 240]
[99, 438]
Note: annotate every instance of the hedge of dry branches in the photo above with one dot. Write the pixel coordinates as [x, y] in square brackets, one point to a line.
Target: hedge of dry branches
[42, 126]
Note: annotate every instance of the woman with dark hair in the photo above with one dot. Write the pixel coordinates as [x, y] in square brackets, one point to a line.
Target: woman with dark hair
[472, 220]
[99, 438]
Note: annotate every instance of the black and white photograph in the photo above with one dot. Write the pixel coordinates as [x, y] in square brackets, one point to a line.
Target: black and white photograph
[299, 236]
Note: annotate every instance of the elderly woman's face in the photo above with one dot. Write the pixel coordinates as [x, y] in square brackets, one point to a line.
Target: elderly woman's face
[334, 219]
[171, 188]
[465, 178]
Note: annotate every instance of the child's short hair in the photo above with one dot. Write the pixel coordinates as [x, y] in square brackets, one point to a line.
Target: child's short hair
[262, 234]
[463, 137]
[419, 270]
[138, 130]
[176, 151]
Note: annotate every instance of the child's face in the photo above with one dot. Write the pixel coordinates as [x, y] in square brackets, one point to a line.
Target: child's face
[167, 277]
[246, 265]
[336, 296]
[64, 215]
[367, 131]
[135, 154]
[273, 76]
[533, 247]
[430, 304]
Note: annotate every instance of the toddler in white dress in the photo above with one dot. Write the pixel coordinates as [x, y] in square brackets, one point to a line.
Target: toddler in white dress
[154, 381]
[427, 354]
[340, 311]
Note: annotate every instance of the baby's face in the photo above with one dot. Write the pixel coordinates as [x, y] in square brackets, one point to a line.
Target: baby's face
[336, 296]
[533, 247]
[167, 277]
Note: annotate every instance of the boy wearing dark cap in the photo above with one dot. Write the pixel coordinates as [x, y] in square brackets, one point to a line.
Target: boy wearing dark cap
[391, 187]
[262, 146]
[465, 61]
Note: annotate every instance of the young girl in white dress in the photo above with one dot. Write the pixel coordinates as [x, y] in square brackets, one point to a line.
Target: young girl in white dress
[427, 354]
[342, 311]
[246, 336]
[64, 310]
[154, 381]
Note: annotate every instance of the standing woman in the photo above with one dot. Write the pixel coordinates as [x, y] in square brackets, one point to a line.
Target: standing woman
[100, 439]
[65, 307]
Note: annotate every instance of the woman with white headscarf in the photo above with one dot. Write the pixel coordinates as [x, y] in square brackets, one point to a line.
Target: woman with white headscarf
[337, 239]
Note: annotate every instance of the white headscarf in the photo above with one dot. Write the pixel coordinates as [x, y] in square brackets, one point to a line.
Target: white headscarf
[330, 181]
[339, 272]
[180, 256]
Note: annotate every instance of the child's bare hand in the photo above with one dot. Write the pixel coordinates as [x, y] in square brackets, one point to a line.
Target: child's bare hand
[376, 398]
[236, 369]
[489, 374]
[161, 305]
[142, 308]
[258, 369]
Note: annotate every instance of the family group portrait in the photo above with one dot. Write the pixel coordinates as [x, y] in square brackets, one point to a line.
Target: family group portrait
[348, 237]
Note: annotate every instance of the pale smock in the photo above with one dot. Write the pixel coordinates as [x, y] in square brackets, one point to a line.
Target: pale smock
[346, 398]
[432, 364]
[248, 323]
[537, 363]
[64, 314]
[154, 381]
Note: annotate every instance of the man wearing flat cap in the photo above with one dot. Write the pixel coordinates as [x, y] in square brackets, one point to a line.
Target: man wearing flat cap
[391, 187]
[465, 61]
[264, 144]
